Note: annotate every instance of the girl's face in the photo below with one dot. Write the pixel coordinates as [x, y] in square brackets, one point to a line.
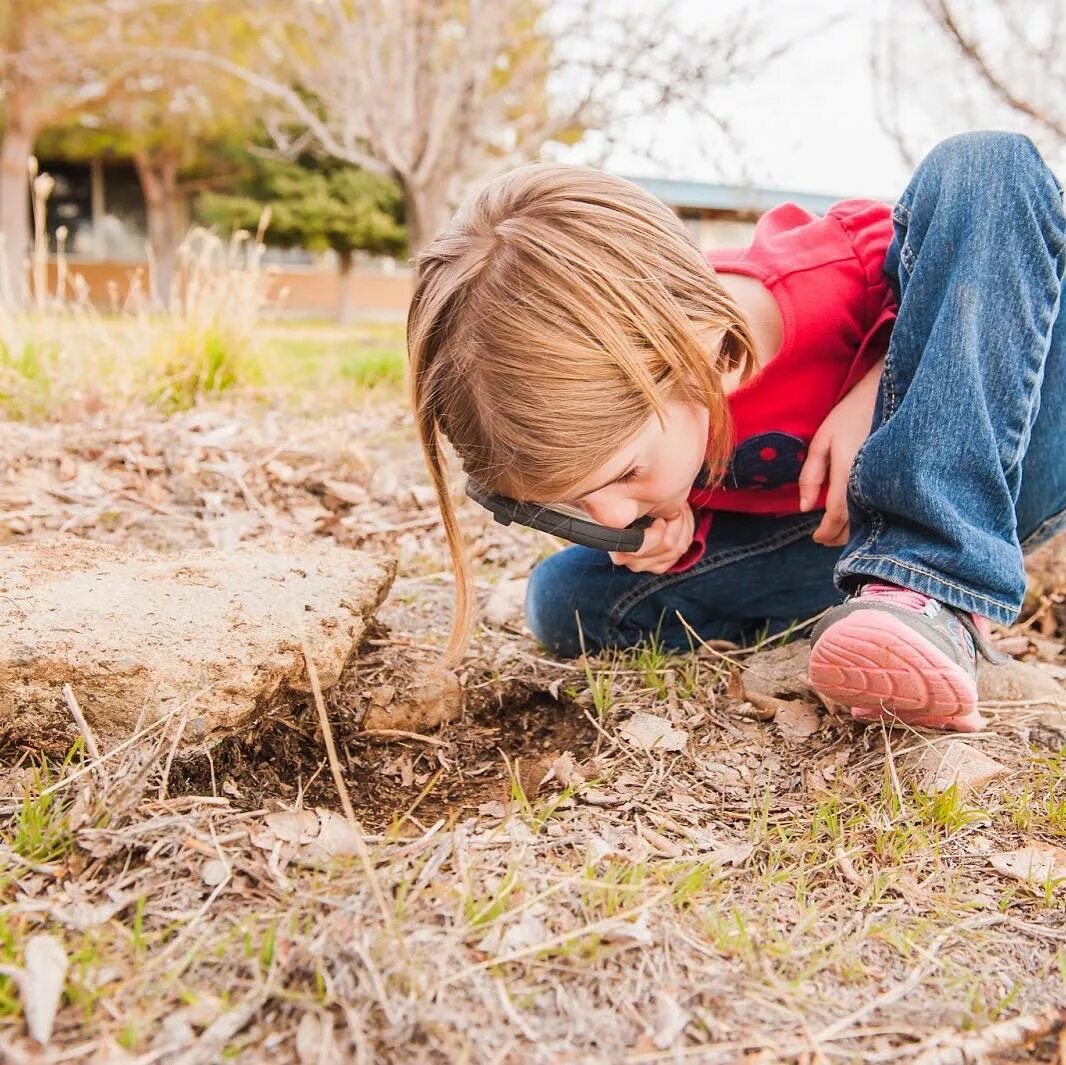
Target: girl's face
[653, 473]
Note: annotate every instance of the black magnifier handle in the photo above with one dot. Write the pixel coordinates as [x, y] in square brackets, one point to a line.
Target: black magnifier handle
[577, 530]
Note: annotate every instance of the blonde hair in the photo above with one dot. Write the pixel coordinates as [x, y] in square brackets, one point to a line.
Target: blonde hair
[560, 309]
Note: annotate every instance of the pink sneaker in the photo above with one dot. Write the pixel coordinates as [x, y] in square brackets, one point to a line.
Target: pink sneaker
[901, 657]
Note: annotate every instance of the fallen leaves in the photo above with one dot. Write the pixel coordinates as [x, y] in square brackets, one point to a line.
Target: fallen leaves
[40, 983]
[1039, 864]
[797, 720]
[650, 732]
[307, 837]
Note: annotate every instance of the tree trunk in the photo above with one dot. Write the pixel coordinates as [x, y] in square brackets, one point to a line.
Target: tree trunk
[15, 152]
[346, 313]
[159, 185]
[426, 215]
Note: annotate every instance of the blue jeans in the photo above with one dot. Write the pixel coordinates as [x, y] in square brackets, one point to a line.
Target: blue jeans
[965, 464]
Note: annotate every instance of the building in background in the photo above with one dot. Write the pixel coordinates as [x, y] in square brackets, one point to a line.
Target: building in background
[101, 205]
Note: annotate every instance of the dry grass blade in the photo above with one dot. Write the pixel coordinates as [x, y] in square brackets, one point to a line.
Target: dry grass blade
[839, 1029]
[346, 801]
[83, 725]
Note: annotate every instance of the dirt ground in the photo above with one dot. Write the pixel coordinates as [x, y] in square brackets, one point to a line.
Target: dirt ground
[636, 858]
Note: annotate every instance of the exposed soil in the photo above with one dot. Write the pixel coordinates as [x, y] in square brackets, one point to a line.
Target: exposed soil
[505, 729]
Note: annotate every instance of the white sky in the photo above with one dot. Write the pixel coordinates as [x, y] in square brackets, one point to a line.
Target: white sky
[808, 124]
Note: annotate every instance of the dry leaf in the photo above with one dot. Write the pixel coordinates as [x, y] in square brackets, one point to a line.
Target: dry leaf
[650, 732]
[566, 771]
[293, 826]
[314, 1039]
[670, 1020]
[40, 982]
[346, 492]
[1037, 864]
[796, 719]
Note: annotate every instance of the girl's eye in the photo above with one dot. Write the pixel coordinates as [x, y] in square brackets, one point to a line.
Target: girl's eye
[629, 475]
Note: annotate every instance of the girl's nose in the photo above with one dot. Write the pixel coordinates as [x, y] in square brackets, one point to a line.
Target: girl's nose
[614, 513]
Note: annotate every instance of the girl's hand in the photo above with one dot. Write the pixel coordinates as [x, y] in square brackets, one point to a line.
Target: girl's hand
[665, 541]
[831, 454]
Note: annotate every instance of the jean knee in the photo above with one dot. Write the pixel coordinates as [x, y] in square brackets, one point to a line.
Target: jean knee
[551, 607]
[977, 159]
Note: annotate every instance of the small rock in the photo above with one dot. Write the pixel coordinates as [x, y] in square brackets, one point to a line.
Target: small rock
[1019, 682]
[214, 872]
[566, 771]
[506, 601]
[778, 673]
[732, 853]
[947, 762]
[670, 1020]
[345, 492]
[137, 636]
[1032, 685]
[1046, 566]
[315, 1043]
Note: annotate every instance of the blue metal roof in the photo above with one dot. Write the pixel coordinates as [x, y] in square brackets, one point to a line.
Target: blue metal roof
[741, 199]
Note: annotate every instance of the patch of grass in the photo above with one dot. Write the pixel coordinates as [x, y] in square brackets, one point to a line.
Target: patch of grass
[190, 366]
[28, 366]
[41, 827]
[334, 366]
[652, 661]
[12, 936]
[1038, 804]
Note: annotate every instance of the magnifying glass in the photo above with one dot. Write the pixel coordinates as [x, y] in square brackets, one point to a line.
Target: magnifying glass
[565, 523]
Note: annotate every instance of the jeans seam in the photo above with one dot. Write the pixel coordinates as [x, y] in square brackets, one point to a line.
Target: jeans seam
[911, 568]
[628, 601]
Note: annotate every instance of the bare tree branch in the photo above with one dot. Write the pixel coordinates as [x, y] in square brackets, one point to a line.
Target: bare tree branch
[439, 96]
[972, 51]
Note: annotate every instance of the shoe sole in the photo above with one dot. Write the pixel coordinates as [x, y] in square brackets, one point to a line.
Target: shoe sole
[881, 668]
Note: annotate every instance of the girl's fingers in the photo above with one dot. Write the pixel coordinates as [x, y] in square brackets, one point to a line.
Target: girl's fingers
[833, 529]
[664, 543]
[813, 474]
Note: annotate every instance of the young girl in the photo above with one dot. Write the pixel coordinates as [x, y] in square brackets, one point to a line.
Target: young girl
[871, 403]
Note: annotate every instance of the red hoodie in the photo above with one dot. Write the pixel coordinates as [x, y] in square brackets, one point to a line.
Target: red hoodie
[837, 310]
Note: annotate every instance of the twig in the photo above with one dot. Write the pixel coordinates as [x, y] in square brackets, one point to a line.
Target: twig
[346, 801]
[178, 733]
[402, 734]
[996, 1037]
[83, 725]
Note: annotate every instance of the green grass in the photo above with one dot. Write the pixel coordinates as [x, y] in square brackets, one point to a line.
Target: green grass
[50, 364]
[332, 365]
[41, 830]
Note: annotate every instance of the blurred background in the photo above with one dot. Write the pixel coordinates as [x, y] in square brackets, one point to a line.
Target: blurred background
[335, 137]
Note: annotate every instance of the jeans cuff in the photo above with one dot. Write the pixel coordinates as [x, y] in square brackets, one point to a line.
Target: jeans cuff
[892, 571]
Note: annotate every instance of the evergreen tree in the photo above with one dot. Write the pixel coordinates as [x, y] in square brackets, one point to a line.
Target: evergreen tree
[315, 204]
